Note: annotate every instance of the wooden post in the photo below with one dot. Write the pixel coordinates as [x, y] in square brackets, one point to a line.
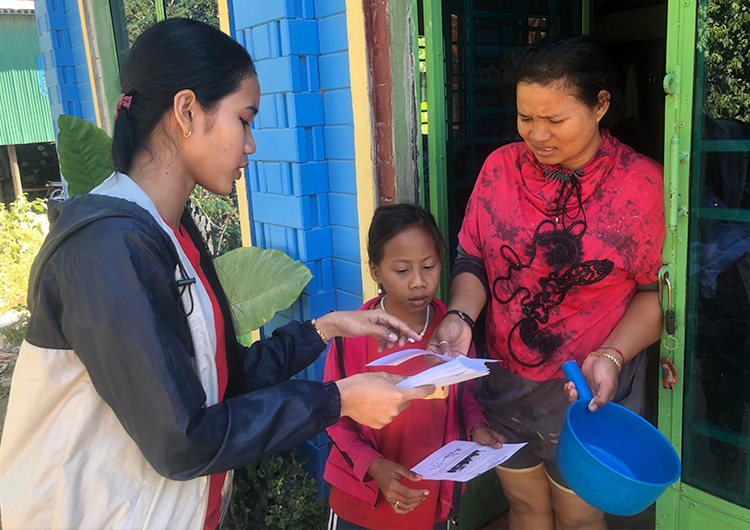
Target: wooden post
[15, 172]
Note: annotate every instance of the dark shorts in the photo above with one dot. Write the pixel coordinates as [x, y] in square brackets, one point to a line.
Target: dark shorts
[534, 411]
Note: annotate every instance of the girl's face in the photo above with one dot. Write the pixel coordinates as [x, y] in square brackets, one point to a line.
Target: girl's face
[409, 271]
[557, 126]
[216, 152]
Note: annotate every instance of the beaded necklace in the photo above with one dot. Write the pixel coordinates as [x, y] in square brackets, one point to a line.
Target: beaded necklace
[426, 320]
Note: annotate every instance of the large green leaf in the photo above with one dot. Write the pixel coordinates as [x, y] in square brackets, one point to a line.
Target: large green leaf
[259, 282]
[85, 153]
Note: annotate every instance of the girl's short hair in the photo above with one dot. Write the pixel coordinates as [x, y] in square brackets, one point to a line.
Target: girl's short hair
[173, 55]
[578, 61]
[392, 219]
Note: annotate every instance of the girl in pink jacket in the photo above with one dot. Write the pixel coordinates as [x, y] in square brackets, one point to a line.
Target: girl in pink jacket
[372, 486]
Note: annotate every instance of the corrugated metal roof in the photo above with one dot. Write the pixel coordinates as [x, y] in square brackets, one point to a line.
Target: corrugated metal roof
[24, 109]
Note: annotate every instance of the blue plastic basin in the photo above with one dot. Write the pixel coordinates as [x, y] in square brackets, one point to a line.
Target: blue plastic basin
[612, 458]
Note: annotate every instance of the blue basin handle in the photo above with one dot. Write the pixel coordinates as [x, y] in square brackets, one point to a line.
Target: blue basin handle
[573, 373]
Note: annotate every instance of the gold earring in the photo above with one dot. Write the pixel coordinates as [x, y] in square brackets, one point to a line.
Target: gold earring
[187, 134]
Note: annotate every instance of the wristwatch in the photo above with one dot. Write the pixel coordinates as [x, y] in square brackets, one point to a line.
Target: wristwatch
[463, 316]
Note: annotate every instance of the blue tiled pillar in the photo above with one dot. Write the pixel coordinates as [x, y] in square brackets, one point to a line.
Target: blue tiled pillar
[301, 181]
[65, 67]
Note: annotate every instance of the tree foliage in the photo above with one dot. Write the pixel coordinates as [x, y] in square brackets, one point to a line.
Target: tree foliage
[724, 44]
[140, 14]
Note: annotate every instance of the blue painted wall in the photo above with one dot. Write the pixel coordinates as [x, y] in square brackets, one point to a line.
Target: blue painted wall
[65, 66]
[301, 182]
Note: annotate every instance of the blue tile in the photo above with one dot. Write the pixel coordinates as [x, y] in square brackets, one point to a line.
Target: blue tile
[286, 145]
[274, 177]
[347, 275]
[310, 178]
[334, 71]
[339, 141]
[333, 34]
[342, 176]
[49, 40]
[70, 5]
[267, 113]
[348, 301]
[324, 8]
[322, 279]
[318, 303]
[249, 14]
[322, 205]
[57, 21]
[251, 177]
[282, 210]
[84, 91]
[311, 73]
[79, 55]
[305, 109]
[337, 106]
[346, 243]
[315, 244]
[343, 209]
[282, 238]
[299, 37]
[63, 58]
[70, 92]
[88, 112]
[314, 142]
[282, 74]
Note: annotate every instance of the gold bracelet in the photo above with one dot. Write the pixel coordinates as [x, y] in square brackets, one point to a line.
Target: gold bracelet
[320, 333]
[609, 356]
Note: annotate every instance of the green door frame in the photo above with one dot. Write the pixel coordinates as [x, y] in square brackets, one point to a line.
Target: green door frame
[436, 123]
[683, 507]
[678, 110]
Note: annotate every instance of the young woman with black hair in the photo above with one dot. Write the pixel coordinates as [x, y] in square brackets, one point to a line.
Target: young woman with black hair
[131, 399]
[561, 243]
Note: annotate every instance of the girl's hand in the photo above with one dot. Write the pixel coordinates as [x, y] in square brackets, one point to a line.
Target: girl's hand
[601, 376]
[482, 434]
[373, 399]
[388, 329]
[402, 499]
[452, 337]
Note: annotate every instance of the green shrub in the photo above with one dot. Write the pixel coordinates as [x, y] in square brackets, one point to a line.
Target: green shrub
[23, 227]
[276, 494]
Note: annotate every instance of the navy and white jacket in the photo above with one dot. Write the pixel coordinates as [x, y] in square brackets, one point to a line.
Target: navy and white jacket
[114, 419]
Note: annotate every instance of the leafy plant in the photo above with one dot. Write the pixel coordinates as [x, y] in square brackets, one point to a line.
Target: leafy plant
[217, 219]
[724, 42]
[23, 227]
[275, 493]
[85, 153]
[277, 281]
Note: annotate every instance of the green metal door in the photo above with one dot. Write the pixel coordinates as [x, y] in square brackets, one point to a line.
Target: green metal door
[707, 251]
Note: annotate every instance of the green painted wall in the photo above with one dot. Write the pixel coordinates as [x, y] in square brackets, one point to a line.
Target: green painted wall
[24, 110]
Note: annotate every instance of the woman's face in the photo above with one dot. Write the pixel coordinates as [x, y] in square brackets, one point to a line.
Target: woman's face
[409, 271]
[217, 150]
[557, 126]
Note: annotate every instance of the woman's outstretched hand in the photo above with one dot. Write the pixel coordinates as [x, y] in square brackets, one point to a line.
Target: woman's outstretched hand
[601, 375]
[373, 399]
[389, 330]
[452, 337]
[387, 473]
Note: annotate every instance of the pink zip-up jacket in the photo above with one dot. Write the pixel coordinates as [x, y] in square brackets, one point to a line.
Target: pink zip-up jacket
[362, 451]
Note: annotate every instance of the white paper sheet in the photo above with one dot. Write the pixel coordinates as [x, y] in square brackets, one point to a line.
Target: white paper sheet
[394, 359]
[449, 373]
[461, 461]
